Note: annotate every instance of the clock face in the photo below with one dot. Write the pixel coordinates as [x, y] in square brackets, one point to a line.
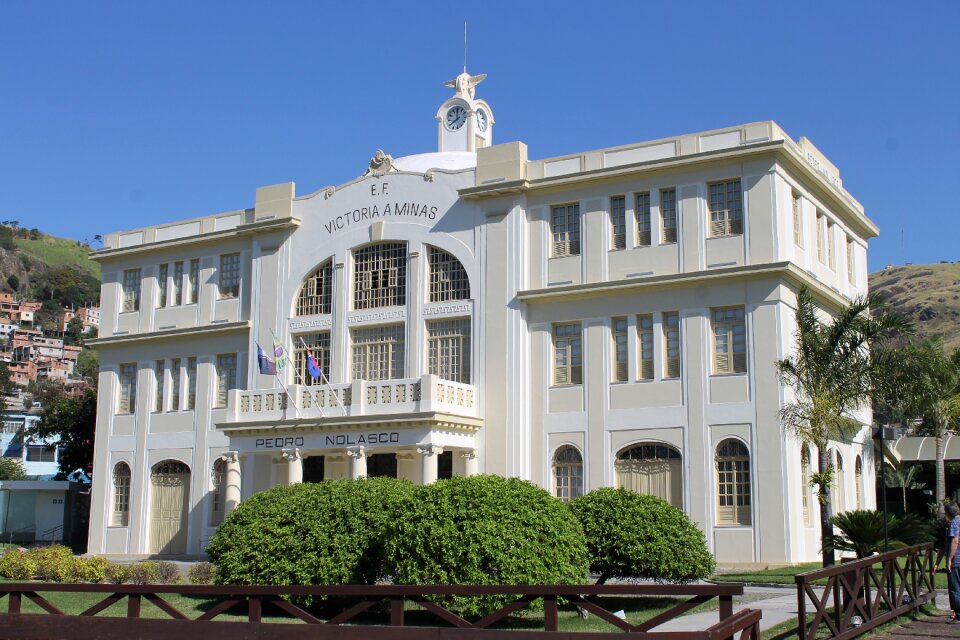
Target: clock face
[456, 117]
[481, 120]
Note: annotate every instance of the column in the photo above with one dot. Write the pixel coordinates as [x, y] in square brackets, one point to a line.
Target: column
[358, 462]
[471, 464]
[231, 482]
[294, 465]
[428, 462]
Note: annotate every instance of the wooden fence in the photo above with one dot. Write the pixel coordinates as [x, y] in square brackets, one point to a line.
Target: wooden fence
[356, 599]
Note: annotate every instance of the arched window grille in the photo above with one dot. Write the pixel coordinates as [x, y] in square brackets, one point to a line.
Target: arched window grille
[448, 278]
[652, 469]
[567, 473]
[317, 292]
[733, 484]
[380, 275]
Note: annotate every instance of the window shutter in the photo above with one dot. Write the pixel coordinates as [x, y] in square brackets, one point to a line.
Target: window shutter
[736, 226]
[739, 362]
[619, 241]
[717, 228]
[726, 515]
[576, 374]
[669, 234]
[620, 372]
[574, 248]
[673, 368]
[643, 238]
[721, 363]
[646, 369]
[560, 374]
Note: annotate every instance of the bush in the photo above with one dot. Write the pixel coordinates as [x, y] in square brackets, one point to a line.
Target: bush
[18, 565]
[167, 573]
[95, 569]
[143, 572]
[862, 531]
[630, 535]
[117, 573]
[54, 562]
[485, 530]
[330, 532]
[202, 573]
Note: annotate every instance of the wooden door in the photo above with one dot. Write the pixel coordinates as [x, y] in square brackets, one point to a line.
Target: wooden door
[170, 490]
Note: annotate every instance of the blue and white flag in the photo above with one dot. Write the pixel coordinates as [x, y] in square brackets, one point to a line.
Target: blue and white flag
[312, 367]
[267, 366]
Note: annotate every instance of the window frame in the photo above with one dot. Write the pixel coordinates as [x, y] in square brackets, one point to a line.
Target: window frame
[797, 201]
[386, 347]
[163, 274]
[733, 366]
[178, 283]
[380, 275]
[567, 475]
[229, 276]
[127, 388]
[193, 281]
[130, 289]
[618, 223]
[619, 331]
[641, 214]
[318, 343]
[567, 339]
[646, 369]
[669, 224]
[159, 381]
[737, 466]
[218, 474]
[315, 297]
[120, 503]
[565, 230]
[456, 344]
[726, 220]
[447, 279]
[226, 378]
[672, 365]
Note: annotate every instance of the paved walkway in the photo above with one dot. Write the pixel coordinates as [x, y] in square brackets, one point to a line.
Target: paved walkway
[779, 604]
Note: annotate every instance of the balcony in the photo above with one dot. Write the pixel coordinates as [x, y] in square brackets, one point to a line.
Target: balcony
[408, 396]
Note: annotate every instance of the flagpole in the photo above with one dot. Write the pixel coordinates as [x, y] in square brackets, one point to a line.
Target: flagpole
[323, 378]
[296, 373]
[277, 376]
[276, 373]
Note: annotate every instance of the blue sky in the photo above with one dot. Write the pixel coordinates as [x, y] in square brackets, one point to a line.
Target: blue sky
[118, 115]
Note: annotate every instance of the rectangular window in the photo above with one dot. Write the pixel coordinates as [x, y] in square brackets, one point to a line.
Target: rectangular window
[729, 341]
[821, 231]
[175, 384]
[378, 353]
[178, 283]
[162, 276]
[380, 276]
[131, 290]
[797, 220]
[671, 345]
[618, 222]
[226, 377]
[565, 226]
[448, 349]
[158, 379]
[128, 388]
[193, 282]
[831, 248]
[191, 384]
[567, 354]
[851, 266]
[726, 208]
[668, 215]
[319, 346]
[230, 275]
[642, 200]
[645, 334]
[41, 453]
[620, 349]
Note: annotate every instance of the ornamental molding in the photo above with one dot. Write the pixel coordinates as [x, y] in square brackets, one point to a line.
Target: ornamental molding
[381, 163]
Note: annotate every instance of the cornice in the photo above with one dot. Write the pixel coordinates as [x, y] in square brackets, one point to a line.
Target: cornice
[414, 420]
[168, 334]
[786, 270]
[211, 236]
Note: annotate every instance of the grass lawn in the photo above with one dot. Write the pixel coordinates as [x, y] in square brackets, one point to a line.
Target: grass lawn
[785, 575]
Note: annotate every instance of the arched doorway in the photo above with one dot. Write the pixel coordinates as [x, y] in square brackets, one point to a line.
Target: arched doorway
[653, 469]
[170, 492]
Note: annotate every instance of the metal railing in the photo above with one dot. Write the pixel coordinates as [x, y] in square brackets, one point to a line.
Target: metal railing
[863, 594]
[353, 601]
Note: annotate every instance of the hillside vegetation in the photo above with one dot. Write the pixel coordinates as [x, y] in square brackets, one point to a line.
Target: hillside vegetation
[58, 252]
[927, 294]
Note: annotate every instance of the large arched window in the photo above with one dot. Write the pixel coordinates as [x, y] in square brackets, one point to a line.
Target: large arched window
[805, 483]
[858, 479]
[448, 278]
[317, 292]
[653, 469]
[380, 275]
[216, 493]
[733, 483]
[567, 473]
[121, 495]
[840, 504]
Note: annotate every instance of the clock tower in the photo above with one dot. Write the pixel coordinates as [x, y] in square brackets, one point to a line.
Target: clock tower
[463, 122]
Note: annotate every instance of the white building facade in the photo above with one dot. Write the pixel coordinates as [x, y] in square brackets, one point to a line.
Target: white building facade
[608, 318]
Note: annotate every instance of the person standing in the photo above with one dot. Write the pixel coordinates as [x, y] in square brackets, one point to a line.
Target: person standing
[951, 548]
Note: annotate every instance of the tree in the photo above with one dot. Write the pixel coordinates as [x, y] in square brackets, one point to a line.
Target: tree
[863, 532]
[932, 394]
[12, 469]
[7, 385]
[88, 365]
[903, 477]
[74, 421]
[13, 282]
[832, 375]
[73, 335]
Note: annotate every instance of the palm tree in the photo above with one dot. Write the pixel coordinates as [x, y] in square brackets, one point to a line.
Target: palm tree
[933, 396]
[903, 477]
[832, 375]
[862, 532]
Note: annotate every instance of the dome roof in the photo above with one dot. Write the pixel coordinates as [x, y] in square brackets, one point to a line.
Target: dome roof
[446, 161]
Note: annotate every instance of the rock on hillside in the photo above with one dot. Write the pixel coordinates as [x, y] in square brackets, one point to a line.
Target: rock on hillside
[928, 294]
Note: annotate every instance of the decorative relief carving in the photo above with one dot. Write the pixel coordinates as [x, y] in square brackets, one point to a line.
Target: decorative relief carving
[449, 308]
[380, 164]
[325, 322]
[328, 192]
[375, 316]
[428, 176]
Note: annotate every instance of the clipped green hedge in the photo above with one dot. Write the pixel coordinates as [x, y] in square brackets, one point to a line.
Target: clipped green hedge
[485, 530]
[331, 532]
[630, 535]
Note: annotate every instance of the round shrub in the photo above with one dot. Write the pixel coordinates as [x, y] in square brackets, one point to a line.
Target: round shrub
[168, 573]
[17, 564]
[54, 562]
[486, 530]
[94, 569]
[630, 535]
[117, 573]
[331, 532]
[202, 573]
[143, 572]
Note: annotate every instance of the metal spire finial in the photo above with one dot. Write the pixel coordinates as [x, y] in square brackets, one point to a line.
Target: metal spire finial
[464, 46]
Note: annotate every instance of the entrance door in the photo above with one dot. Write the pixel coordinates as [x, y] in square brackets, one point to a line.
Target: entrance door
[382, 465]
[170, 487]
[313, 469]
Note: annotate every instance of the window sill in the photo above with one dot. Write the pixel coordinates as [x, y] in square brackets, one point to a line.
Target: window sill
[726, 235]
[741, 527]
[726, 375]
[566, 386]
[569, 255]
[118, 526]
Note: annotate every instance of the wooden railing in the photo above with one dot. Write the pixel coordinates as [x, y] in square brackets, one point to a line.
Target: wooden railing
[358, 599]
[859, 596]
